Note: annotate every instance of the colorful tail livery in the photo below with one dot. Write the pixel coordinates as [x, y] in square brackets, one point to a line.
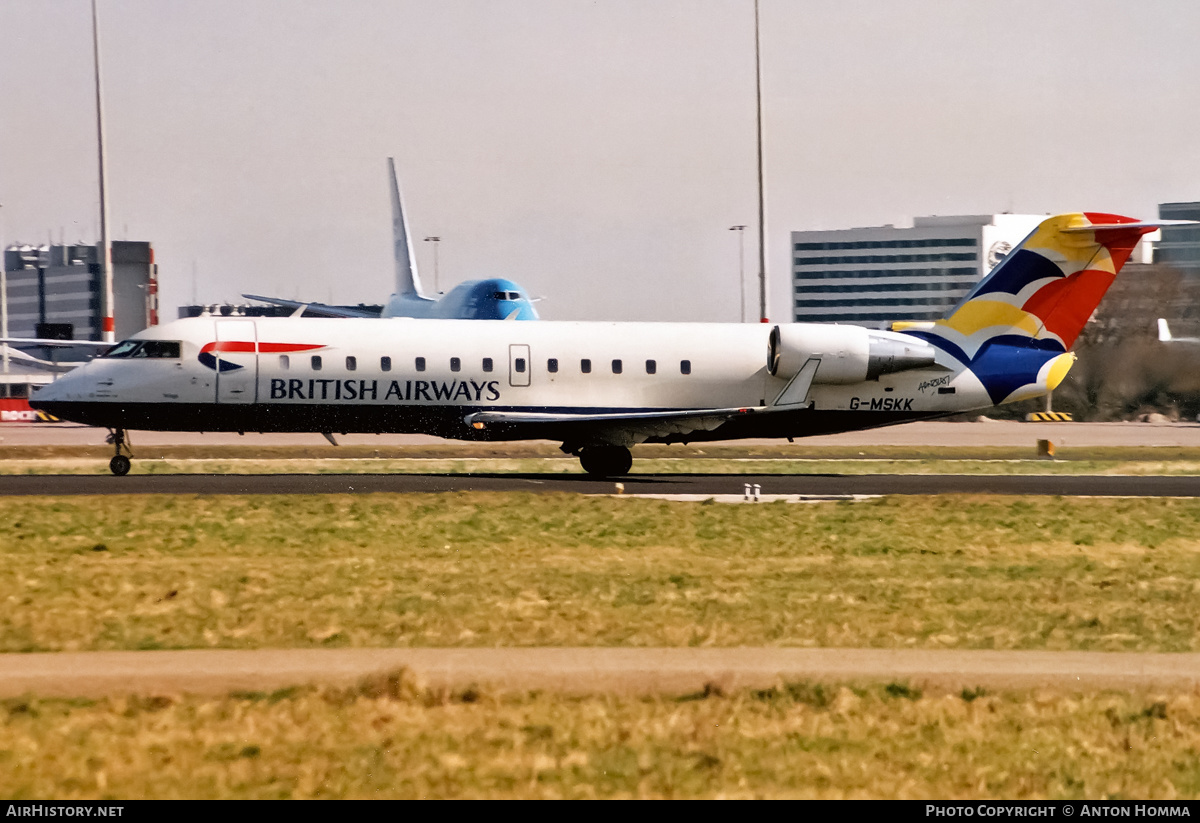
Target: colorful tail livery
[1014, 328]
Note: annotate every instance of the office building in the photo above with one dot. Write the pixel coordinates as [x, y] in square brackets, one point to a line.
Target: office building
[1180, 245]
[873, 276]
[55, 291]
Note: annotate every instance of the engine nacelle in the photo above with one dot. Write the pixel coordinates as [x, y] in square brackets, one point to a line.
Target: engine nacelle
[848, 354]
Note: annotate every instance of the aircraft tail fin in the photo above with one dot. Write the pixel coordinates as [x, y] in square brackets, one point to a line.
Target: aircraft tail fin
[408, 281]
[1164, 331]
[1041, 294]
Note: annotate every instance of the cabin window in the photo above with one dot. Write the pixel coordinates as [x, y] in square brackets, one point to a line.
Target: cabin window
[519, 365]
[316, 362]
[385, 364]
[616, 367]
[420, 364]
[285, 362]
[651, 367]
[18, 389]
[351, 363]
[455, 364]
[552, 365]
[685, 366]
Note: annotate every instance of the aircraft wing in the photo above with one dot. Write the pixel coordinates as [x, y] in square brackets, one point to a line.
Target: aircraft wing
[635, 426]
[62, 344]
[317, 309]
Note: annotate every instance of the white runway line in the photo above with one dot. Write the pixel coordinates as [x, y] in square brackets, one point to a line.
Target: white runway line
[762, 498]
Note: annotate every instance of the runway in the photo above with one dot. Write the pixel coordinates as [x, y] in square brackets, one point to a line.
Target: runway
[644, 671]
[822, 485]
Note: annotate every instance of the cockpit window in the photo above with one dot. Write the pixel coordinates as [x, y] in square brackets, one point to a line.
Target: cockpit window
[506, 295]
[125, 348]
[159, 349]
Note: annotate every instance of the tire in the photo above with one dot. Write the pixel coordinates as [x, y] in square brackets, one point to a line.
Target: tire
[120, 465]
[606, 461]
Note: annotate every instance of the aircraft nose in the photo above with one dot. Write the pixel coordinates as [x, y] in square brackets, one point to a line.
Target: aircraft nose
[60, 390]
[45, 394]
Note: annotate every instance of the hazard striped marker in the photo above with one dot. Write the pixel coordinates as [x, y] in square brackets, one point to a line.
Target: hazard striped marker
[1048, 417]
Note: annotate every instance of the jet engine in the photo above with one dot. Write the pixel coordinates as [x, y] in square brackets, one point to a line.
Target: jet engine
[847, 354]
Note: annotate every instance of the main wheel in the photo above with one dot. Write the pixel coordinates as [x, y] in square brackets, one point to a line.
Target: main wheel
[119, 465]
[606, 461]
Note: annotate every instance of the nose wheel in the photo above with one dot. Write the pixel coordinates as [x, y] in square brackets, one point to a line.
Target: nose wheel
[120, 464]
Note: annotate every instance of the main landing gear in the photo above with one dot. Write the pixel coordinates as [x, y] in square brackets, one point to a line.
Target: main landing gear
[605, 461]
[120, 464]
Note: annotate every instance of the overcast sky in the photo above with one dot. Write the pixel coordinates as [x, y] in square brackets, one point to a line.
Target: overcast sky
[596, 151]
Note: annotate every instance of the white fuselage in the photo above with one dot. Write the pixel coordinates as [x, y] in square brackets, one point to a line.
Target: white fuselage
[299, 374]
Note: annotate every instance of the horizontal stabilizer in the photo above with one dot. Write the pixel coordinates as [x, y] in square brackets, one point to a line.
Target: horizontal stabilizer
[1141, 224]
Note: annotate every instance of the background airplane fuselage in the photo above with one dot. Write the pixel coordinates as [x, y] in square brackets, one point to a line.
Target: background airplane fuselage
[410, 375]
[494, 298]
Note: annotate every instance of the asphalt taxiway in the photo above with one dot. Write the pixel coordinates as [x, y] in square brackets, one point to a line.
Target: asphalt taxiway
[808, 485]
[927, 433]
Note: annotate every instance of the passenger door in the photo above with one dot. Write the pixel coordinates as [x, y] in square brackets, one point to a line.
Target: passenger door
[519, 365]
[237, 362]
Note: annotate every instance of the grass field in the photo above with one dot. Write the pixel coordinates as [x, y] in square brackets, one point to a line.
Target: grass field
[390, 738]
[160, 571]
[132, 572]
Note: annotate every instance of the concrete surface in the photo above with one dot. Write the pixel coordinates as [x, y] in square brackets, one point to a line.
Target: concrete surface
[672, 671]
[992, 433]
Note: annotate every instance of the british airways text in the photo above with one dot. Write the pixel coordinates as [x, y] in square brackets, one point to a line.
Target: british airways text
[429, 391]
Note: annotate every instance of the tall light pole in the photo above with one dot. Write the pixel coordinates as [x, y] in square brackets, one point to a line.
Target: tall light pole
[107, 326]
[435, 241]
[741, 230]
[762, 208]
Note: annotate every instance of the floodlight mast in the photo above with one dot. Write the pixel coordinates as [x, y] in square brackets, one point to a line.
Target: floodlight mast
[762, 208]
[107, 326]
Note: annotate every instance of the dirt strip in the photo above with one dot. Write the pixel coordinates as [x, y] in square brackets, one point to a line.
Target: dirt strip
[585, 670]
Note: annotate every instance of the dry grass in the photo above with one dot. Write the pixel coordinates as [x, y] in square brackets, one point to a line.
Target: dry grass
[530, 570]
[392, 739]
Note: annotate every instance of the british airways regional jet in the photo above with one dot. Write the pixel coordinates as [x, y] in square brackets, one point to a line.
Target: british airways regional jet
[601, 388]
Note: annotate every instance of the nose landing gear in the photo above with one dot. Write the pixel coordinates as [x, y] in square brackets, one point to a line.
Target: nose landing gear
[120, 464]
